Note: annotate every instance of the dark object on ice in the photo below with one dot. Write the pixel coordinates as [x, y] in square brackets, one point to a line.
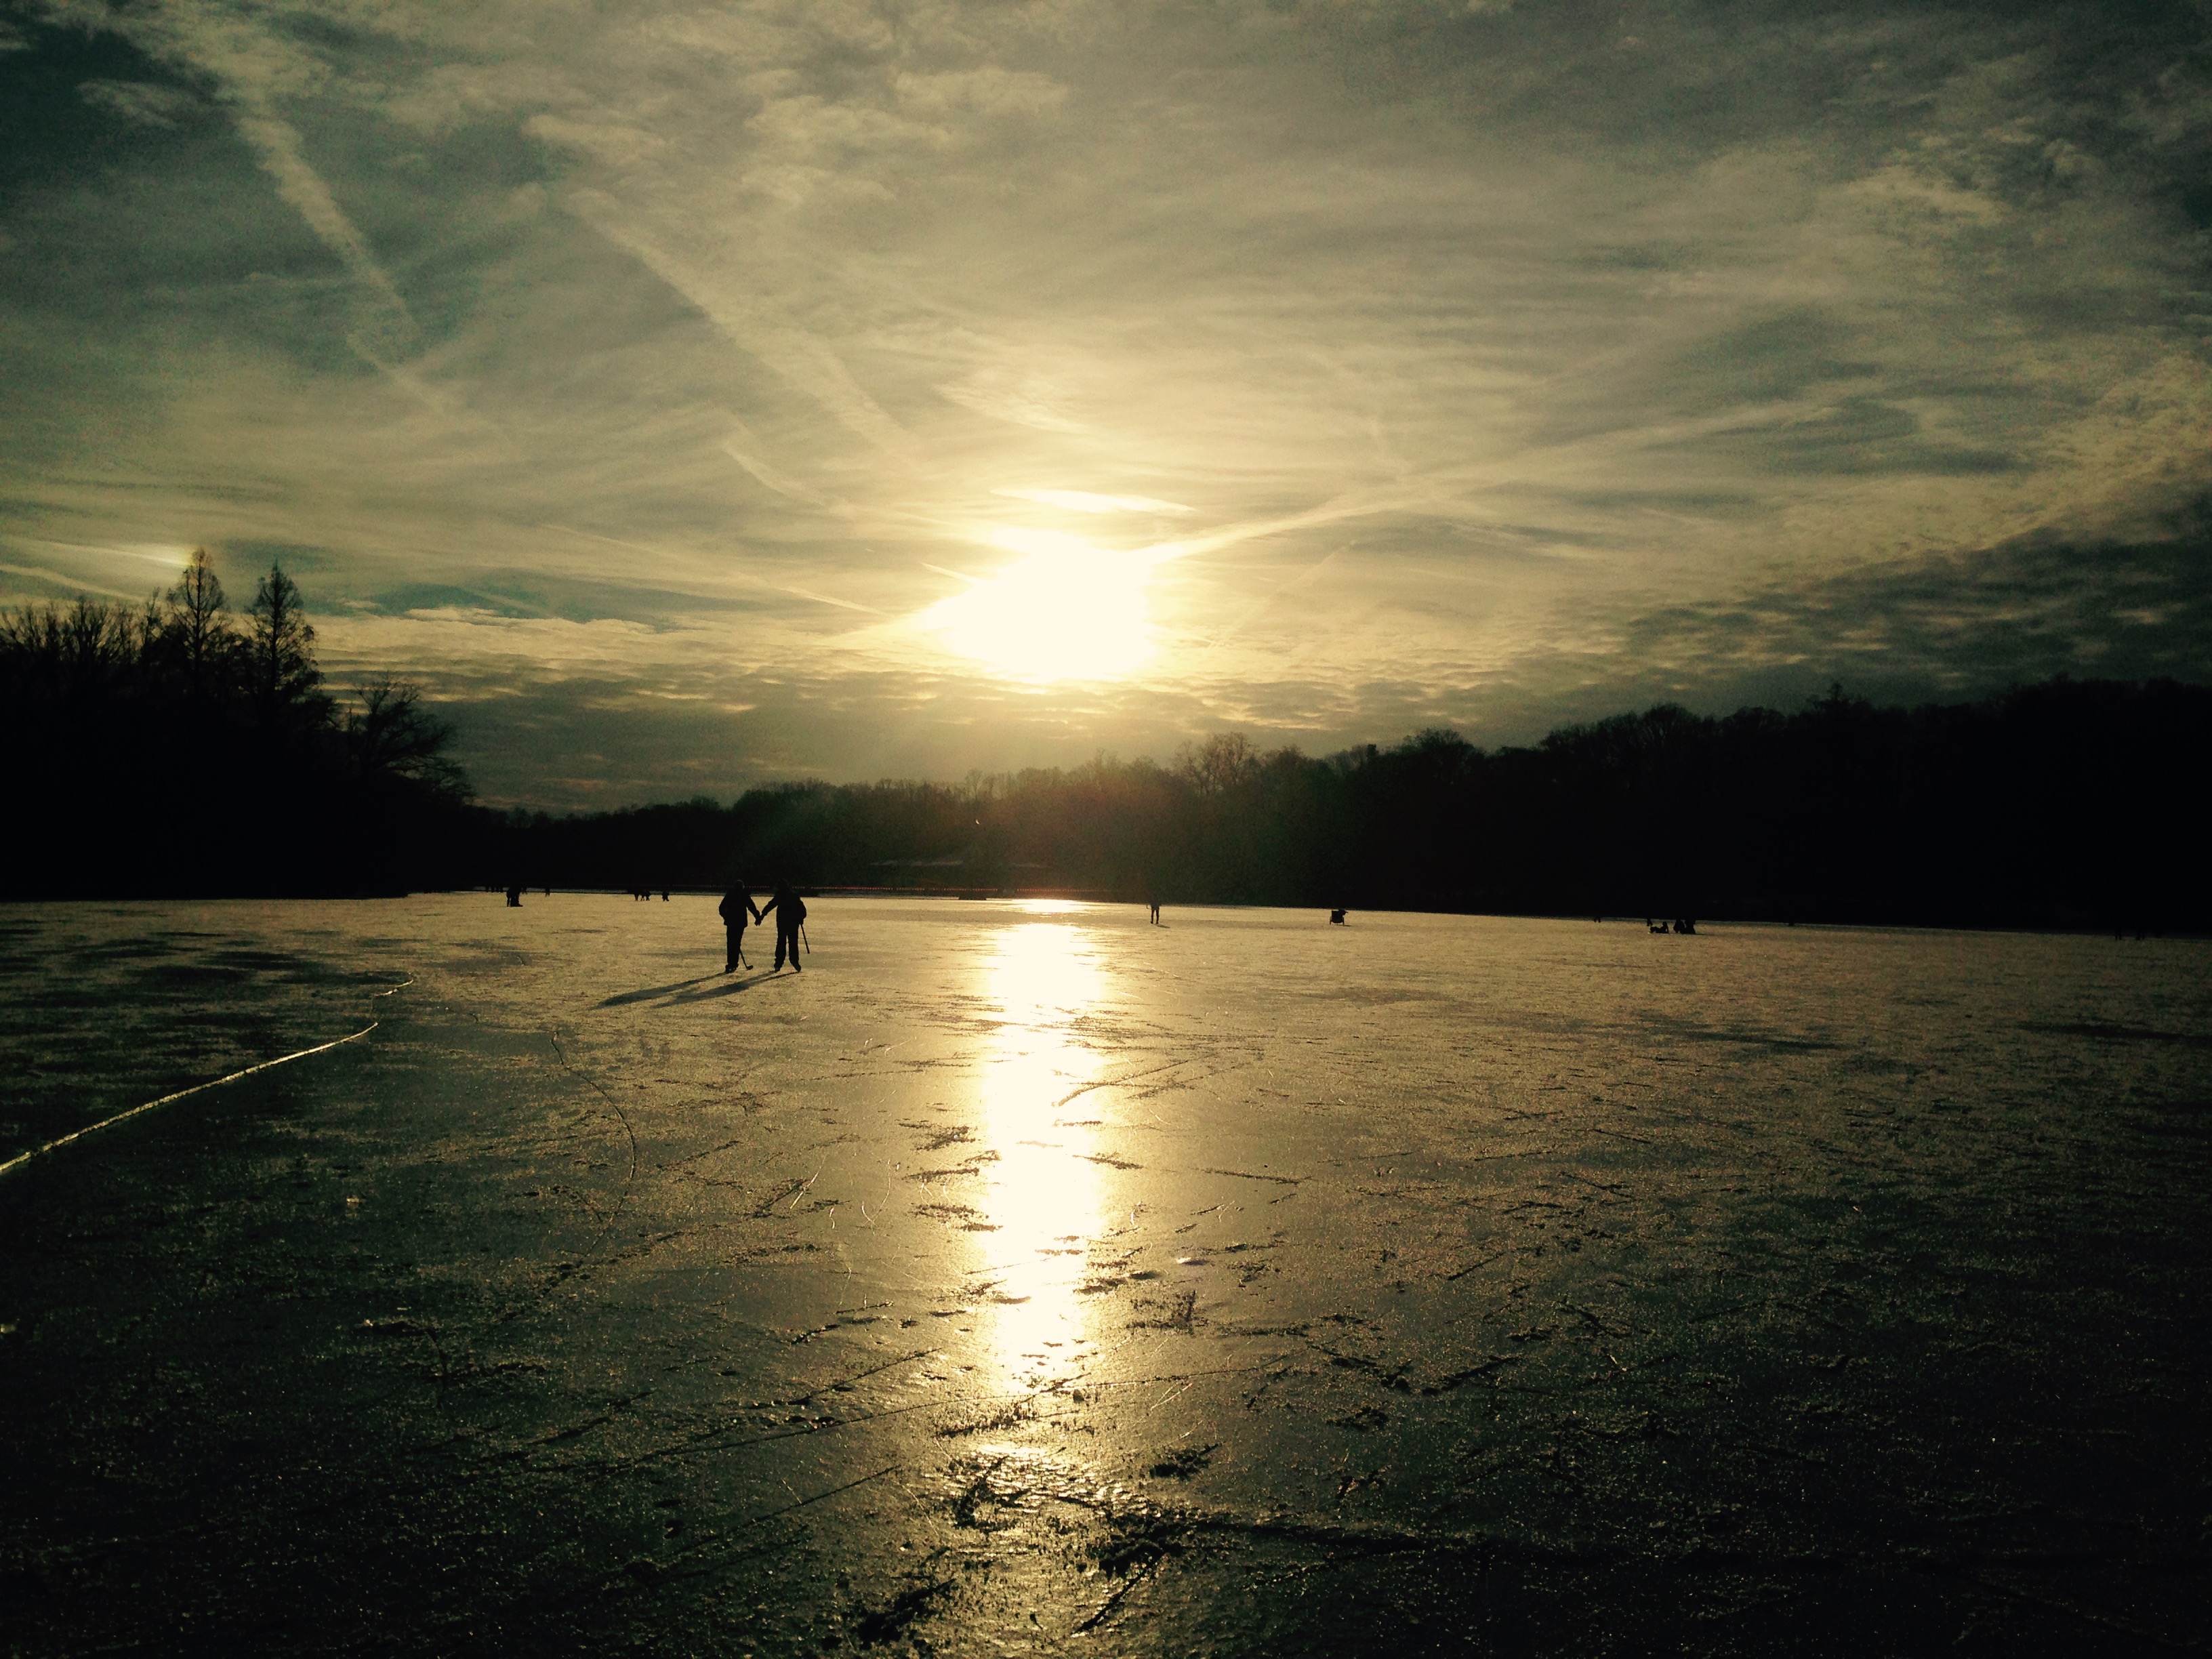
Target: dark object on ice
[1183, 1462]
[790, 915]
[1155, 910]
[1336, 917]
[737, 908]
[1686, 925]
[514, 898]
[1657, 927]
[664, 896]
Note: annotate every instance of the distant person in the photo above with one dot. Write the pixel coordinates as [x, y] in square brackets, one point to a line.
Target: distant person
[1336, 916]
[514, 898]
[737, 908]
[790, 916]
[1155, 910]
[664, 896]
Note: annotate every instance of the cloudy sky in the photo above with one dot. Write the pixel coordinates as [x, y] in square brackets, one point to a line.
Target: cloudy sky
[689, 395]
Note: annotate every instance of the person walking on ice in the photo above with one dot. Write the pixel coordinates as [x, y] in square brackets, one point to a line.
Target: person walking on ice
[738, 907]
[790, 915]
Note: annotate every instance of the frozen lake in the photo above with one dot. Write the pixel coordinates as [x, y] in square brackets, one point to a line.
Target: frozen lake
[1024, 1277]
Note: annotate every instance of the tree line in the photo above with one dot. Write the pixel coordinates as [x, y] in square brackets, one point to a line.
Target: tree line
[2067, 804]
[178, 747]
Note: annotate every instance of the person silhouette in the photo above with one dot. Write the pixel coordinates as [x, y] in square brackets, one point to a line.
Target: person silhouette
[738, 907]
[790, 913]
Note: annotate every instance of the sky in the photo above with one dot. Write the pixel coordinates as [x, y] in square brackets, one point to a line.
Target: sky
[690, 396]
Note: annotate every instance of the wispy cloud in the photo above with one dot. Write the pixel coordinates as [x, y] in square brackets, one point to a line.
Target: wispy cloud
[1440, 362]
[253, 68]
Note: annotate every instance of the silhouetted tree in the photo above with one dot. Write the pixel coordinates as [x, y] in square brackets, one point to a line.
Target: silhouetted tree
[280, 652]
[196, 624]
[168, 753]
[2065, 803]
[389, 733]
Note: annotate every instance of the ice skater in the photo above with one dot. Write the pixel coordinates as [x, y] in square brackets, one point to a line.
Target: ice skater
[1336, 916]
[790, 916]
[1156, 909]
[737, 908]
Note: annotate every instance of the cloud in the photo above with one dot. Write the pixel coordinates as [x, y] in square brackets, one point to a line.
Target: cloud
[605, 142]
[385, 331]
[1017, 397]
[65, 582]
[1084, 500]
[1444, 362]
[988, 91]
[1960, 623]
[253, 70]
[141, 103]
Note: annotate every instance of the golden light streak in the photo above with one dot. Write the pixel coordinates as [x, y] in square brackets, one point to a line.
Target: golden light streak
[1042, 1194]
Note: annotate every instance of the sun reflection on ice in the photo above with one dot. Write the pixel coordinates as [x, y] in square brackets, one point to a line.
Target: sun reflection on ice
[1042, 1194]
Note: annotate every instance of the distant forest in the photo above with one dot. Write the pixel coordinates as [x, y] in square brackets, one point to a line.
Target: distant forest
[2065, 804]
[180, 748]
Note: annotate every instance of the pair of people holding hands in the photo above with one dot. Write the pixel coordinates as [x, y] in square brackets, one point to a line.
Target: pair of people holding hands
[738, 908]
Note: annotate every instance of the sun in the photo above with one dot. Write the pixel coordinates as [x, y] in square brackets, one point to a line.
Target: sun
[1065, 610]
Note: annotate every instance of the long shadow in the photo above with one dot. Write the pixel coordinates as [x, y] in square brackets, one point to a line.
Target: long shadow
[759, 977]
[655, 991]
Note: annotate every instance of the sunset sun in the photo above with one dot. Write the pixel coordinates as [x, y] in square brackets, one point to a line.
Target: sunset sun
[1065, 610]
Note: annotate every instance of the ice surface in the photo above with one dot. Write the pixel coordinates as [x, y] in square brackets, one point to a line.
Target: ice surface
[1024, 1276]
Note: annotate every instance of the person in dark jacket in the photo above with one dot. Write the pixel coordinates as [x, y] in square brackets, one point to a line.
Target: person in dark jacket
[790, 912]
[737, 908]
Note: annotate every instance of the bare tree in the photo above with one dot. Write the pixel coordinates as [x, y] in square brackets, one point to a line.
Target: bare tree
[281, 648]
[1219, 764]
[87, 653]
[390, 733]
[198, 622]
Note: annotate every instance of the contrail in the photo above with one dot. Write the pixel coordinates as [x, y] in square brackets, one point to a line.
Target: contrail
[802, 361]
[60, 580]
[771, 478]
[250, 62]
[1269, 597]
[738, 575]
[387, 331]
